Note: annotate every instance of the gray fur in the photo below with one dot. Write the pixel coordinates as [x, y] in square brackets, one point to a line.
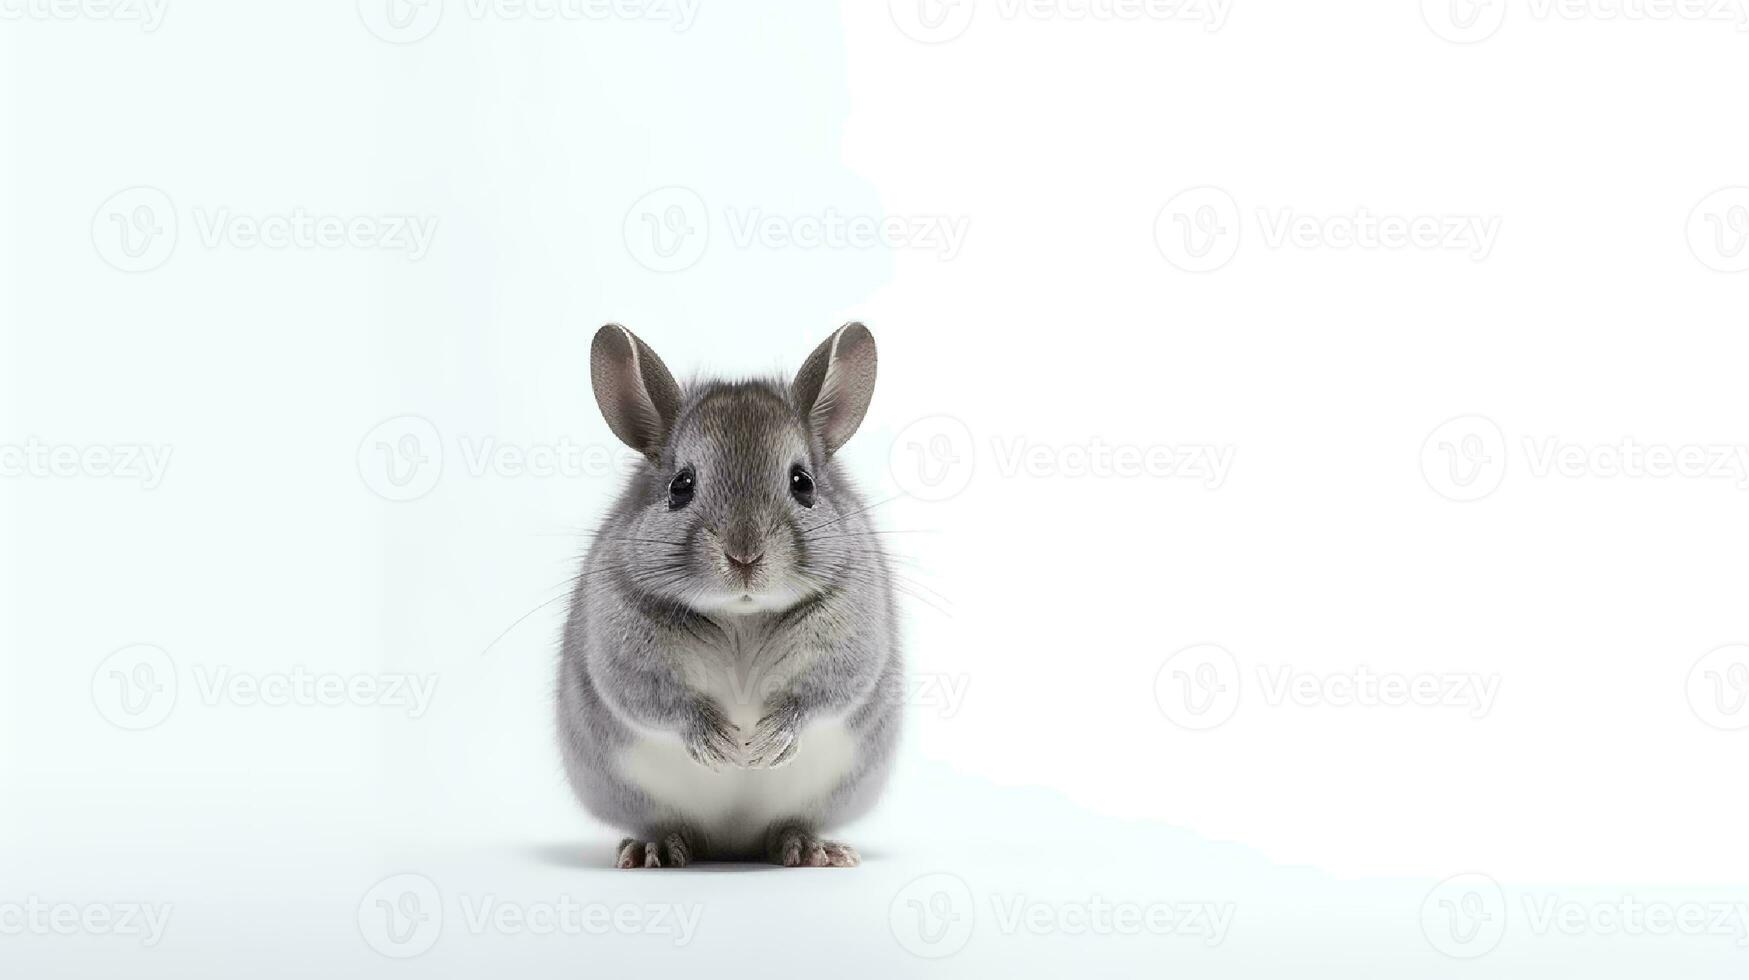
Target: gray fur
[656, 599]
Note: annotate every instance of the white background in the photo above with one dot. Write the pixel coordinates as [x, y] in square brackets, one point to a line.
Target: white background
[667, 166]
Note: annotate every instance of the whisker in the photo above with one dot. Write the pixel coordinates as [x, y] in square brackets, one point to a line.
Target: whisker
[865, 534]
[520, 619]
[809, 530]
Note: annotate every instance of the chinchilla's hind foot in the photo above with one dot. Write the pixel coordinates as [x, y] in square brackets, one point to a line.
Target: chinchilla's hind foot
[672, 850]
[796, 847]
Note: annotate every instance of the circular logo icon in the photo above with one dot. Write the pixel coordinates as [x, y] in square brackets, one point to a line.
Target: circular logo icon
[1464, 916]
[1718, 230]
[1464, 21]
[401, 21]
[1464, 459]
[931, 21]
[1718, 687]
[135, 230]
[135, 687]
[667, 229]
[932, 917]
[933, 458]
[1198, 687]
[401, 916]
[1198, 230]
[401, 459]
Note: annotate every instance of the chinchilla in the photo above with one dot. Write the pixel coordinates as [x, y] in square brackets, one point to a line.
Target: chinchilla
[730, 677]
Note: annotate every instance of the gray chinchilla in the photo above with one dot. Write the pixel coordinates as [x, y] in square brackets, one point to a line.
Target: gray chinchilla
[730, 678]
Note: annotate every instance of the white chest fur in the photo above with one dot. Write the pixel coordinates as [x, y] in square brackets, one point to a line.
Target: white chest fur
[734, 807]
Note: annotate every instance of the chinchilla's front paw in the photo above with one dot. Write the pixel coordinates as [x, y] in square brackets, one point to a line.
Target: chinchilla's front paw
[773, 744]
[711, 739]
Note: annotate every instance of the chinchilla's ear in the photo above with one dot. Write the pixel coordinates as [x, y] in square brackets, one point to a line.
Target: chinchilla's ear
[835, 384]
[637, 395]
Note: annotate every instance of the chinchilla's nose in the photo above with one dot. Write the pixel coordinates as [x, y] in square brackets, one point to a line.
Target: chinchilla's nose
[743, 564]
[744, 546]
[743, 540]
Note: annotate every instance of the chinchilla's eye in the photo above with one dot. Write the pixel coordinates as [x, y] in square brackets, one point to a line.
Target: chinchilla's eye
[801, 486]
[680, 489]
